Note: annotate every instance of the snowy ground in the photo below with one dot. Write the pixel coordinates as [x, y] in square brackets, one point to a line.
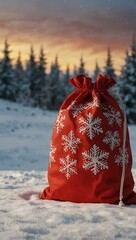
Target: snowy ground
[24, 148]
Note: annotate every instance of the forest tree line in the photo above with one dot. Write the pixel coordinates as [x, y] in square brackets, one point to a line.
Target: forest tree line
[33, 86]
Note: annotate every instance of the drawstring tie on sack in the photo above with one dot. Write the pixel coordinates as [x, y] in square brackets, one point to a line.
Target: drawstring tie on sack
[121, 204]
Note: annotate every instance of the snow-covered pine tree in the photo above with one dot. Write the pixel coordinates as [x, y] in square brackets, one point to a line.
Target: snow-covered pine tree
[40, 83]
[108, 68]
[81, 69]
[75, 71]
[19, 78]
[31, 77]
[67, 85]
[125, 74]
[67, 75]
[128, 83]
[110, 71]
[97, 71]
[54, 87]
[132, 82]
[7, 83]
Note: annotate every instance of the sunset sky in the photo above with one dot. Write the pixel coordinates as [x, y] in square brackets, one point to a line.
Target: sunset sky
[69, 28]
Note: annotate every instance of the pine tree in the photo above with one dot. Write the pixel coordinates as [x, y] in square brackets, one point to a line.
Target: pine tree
[75, 71]
[55, 87]
[7, 84]
[31, 77]
[19, 78]
[81, 69]
[109, 70]
[67, 75]
[128, 83]
[67, 85]
[97, 71]
[125, 74]
[40, 83]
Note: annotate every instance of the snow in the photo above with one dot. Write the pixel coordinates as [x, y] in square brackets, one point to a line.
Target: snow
[25, 135]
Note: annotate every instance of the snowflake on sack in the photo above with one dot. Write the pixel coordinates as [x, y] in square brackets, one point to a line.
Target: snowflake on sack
[68, 166]
[70, 142]
[113, 116]
[60, 121]
[52, 152]
[95, 159]
[92, 104]
[119, 158]
[112, 138]
[90, 126]
[75, 109]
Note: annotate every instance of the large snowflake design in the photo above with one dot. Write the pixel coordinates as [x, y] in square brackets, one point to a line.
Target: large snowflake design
[113, 116]
[90, 125]
[119, 158]
[52, 152]
[92, 104]
[95, 159]
[112, 138]
[60, 121]
[68, 166]
[75, 109]
[70, 142]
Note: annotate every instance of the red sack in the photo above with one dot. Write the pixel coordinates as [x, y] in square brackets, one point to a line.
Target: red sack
[90, 155]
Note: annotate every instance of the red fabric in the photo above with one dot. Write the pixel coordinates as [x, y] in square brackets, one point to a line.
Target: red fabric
[85, 163]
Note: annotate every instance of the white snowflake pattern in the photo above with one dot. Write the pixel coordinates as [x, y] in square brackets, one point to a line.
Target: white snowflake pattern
[119, 158]
[60, 121]
[113, 116]
[70, 142]
[52, 152]
[95, 159]
[92, 104]
[68, 166]
[112, 138]
[90, 126]
[75, 109]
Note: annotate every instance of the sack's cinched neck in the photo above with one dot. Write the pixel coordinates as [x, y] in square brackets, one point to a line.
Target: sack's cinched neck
[103, 82]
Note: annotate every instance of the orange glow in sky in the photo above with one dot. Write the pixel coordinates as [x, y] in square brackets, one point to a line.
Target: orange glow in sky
[69, 29]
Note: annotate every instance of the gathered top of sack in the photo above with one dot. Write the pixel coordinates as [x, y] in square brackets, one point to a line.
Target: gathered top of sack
[103, 82]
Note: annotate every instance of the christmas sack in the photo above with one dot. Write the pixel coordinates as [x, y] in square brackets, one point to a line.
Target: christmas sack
[90, 155]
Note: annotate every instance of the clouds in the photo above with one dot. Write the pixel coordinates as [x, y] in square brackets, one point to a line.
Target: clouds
[92, 28]
[78, 25]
